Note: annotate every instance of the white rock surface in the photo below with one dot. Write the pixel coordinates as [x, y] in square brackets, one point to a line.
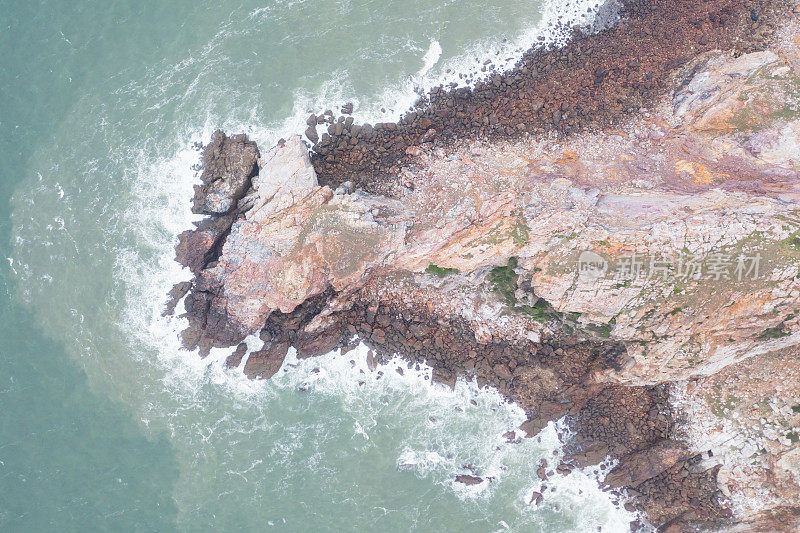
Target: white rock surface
[284, 172]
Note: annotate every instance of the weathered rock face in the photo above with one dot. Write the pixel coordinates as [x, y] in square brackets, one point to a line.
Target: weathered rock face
[228, 165]
[748, 415]
[293, 240]
[284, 171]
[692, 234]
[578, 276]
[647, 464]
[202, 245]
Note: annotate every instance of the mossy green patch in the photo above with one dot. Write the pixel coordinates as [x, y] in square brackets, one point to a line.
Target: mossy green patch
[439, 271]
[720, 404]
[504, 281]
[773, 333]
[793, 241]
[601, 330]
[520, 232]
[542, 311]
[771, 97]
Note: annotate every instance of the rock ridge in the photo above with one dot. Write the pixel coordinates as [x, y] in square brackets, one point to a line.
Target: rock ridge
[509, 254]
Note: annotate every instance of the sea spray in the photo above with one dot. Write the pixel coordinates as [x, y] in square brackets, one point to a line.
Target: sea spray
[460, 68]
[430, 58]
[258, 452]
[456, 431]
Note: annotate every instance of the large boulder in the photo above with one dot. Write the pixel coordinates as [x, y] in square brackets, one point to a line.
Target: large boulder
[284, 171]
[228, 164]
[267, 361]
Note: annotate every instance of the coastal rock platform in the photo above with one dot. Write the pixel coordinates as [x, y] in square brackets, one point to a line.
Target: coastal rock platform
[609, 232]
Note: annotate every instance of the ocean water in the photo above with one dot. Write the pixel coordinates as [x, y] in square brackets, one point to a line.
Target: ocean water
[105, 423]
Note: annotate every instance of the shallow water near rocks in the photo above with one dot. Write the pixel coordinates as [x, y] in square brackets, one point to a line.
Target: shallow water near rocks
[105, 422]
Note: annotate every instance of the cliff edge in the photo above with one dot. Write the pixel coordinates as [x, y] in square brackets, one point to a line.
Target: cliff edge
[631, 266]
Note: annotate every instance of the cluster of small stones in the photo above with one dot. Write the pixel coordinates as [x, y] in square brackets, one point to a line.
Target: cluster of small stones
[549, 379]
[592, 82]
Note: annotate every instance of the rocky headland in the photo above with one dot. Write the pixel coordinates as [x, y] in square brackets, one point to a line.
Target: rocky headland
[609, 232]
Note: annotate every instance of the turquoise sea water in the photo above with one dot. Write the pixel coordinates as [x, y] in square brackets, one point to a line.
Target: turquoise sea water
[105, 424]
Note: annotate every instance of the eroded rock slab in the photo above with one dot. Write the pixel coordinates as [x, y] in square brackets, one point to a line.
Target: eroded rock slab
[577, 275]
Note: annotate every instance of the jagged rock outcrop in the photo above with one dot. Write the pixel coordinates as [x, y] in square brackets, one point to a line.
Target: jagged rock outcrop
[589, 277]
[228, 165]
[695, 247]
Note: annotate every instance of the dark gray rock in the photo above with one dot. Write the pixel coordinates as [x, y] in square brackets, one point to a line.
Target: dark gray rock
[228, 164]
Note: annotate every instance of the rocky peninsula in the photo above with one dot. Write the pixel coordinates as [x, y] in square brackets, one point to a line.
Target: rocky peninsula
[608, 232]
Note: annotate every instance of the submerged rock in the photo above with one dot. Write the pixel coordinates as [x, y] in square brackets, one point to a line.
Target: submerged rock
[469, 480]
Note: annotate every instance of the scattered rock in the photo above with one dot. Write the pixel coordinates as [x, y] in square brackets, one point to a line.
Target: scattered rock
[467, 479]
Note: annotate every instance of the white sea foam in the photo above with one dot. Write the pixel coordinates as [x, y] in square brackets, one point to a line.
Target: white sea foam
[450, 432]
[461, 432]
[430, 58]
[467, 68]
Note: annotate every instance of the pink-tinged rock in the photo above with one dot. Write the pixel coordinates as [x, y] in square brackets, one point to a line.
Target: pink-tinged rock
[670, 185]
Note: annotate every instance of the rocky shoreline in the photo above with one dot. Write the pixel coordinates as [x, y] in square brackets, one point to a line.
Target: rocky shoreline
[673, 118]
[595, 81]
